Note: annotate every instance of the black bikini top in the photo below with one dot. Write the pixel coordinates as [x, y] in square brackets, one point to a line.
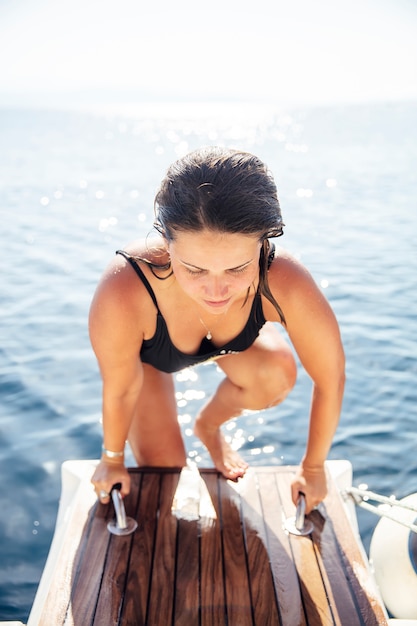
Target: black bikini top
[161, 353]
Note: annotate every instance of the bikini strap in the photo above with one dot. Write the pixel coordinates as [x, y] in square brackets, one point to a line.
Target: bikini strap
[141, 275]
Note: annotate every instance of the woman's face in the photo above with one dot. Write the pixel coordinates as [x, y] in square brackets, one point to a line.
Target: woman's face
[215, 269]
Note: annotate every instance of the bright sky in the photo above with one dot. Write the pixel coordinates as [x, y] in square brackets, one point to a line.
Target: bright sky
[288, 51]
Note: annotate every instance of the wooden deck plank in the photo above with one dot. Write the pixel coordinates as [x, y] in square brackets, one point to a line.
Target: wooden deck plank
[333, 573]
[114, 580]
[212, 584]
[283, 568]
[161, 597]
[314, 597]
[227, 560]
[186, 509]
[187, 580]
[140, 572]
[83, 516]
[86, 576]
[264, 600]
[238, 596]
[364, 592]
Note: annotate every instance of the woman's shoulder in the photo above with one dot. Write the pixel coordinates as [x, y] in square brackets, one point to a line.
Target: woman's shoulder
[291, 283]
[120, 285]
[296, 291]
[287, 270]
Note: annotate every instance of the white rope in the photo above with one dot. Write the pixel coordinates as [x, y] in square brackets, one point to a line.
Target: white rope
[360, 497]
[370, 495]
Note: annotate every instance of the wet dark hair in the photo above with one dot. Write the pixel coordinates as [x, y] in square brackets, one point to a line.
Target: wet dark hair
[221, 190]
[224, 191]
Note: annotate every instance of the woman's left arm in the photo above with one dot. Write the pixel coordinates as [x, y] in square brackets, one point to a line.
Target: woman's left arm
[315, 335]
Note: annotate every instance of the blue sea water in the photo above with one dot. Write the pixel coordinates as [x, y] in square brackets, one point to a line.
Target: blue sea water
[76, 185]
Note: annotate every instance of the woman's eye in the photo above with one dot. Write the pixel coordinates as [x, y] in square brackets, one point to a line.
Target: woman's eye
[233, 272]
[194, 272]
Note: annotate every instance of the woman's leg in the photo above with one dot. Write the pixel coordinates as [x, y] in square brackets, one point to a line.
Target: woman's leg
[155, 435]
[257, 378]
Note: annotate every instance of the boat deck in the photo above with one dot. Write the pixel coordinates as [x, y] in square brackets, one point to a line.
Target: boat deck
[209, 552]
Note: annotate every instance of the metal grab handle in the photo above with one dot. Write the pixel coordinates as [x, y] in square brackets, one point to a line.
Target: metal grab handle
[300, 512]
[122, 525]
[119, 508]
[298, 525]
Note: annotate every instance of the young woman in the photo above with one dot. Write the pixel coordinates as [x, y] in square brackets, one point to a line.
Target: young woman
[210, 288]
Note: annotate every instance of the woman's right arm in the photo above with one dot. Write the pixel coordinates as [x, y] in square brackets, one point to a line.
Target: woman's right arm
[116, 339]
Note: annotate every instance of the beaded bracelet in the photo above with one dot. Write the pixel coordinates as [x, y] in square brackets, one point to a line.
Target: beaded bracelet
[111, 454]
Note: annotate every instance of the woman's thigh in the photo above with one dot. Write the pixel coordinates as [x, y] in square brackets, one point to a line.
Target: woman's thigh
[266, 371]
[155, 435]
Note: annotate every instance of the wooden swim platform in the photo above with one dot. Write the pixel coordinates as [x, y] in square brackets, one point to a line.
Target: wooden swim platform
[210, 552]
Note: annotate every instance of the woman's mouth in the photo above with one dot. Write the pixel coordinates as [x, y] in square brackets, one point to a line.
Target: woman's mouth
[217, 304]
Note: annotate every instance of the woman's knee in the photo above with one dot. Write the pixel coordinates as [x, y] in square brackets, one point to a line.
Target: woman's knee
[265, 373]
[274, 378]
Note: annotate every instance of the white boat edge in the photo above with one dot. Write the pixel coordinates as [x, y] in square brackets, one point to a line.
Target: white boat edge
[74, 472]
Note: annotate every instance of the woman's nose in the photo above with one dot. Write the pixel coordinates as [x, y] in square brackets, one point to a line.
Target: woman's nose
[217, 288]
